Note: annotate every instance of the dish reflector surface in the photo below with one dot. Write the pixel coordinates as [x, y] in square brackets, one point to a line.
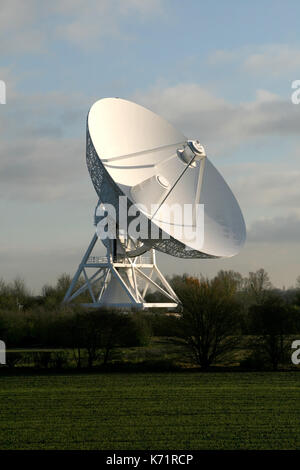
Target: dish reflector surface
[132, 151]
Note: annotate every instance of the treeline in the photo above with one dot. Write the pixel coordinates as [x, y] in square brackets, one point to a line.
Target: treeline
[225, 320]
[90, 335]
[222, 313]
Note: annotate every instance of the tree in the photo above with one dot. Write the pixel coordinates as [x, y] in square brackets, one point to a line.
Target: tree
[270, 321]
[53, 295]
[14, 295]
[100, 331]
[119, 329]
[75, 337]
[258, 285]
[90, 334]
[210, 318]
[232, 280]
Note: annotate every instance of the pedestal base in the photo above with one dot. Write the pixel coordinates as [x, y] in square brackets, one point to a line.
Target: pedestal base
[120, 281]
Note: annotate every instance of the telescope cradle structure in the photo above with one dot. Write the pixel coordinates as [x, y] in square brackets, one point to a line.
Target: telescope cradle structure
[133, 153]
[120, 281]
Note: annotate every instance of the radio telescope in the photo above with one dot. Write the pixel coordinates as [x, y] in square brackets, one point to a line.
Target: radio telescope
[137, 160]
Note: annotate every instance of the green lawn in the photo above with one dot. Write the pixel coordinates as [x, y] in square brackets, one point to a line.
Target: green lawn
[151, 411]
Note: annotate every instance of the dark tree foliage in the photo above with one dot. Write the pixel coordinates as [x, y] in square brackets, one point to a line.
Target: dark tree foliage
[215, 312]
[52, 296]
[99, 332]
[165, 324]
[270, 322]
[210, 318]
[257, 286]
[14, 295]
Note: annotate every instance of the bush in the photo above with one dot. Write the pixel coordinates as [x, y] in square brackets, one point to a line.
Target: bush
[13, 358]
[210, 319]
[270, 322]
[162, 365]
[255, 361]
[59, 359]
[136, 331]
[42, 359]
[165, 325]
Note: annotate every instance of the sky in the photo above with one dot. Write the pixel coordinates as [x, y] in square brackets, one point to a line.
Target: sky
[221, 72]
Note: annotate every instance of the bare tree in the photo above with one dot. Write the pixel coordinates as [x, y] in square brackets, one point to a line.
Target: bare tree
[270, 321]
[232, 281]
[258, 285]
[99, 332]
[210, 319]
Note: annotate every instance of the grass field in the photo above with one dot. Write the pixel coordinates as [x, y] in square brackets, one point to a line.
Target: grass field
[153, 411]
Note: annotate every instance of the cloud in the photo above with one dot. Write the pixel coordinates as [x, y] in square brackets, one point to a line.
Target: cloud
[269, 60]
[85, 24]
[262, 187]
[200, 113]
[267, 186]
[42, 149]
[43, 138]
[28, 27]
[42, 114]
[274, 60]
[44, 169]
[285, 229]
[20, 26]
[220, 57]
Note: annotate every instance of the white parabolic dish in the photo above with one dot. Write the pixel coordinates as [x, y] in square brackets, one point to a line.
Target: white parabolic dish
[134, 152]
